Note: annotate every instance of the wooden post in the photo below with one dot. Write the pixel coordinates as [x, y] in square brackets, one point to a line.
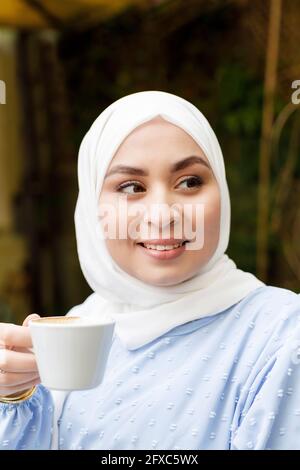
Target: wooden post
[265, 143]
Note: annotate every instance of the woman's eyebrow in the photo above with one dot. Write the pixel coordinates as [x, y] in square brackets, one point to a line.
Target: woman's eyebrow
[180, 165]
[188, 161]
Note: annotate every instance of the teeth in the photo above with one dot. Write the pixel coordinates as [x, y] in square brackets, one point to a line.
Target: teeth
[162, 247]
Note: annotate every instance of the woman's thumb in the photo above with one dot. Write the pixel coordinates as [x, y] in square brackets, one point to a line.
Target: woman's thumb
[30, 317]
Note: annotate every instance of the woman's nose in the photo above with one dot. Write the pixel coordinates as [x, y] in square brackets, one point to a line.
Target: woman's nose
[161, 213]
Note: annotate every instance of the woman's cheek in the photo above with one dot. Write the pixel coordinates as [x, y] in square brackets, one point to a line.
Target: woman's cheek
[212, 220]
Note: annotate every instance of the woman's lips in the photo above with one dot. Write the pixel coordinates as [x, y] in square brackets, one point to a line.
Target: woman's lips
[162, 254]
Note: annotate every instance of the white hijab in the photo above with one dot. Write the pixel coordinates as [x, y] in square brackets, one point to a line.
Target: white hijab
[143, 312]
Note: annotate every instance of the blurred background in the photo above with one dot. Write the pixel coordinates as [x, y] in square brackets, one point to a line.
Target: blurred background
[62, 62]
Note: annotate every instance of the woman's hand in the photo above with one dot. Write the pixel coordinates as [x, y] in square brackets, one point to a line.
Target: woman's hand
[18, 368]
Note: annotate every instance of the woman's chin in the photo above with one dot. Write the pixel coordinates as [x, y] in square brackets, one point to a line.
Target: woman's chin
[162, 279]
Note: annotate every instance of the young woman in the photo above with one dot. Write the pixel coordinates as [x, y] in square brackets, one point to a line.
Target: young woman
[204, 355]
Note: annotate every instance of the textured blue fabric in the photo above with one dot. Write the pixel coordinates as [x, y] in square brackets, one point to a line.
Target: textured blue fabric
[230, 381]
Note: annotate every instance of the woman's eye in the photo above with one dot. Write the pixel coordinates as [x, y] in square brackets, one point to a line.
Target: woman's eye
[124, 186]
[192, 182]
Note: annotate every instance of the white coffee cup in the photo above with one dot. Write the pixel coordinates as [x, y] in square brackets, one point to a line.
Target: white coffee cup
[71, 352]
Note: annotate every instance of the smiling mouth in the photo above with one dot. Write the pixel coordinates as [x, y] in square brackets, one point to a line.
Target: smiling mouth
[163, 246]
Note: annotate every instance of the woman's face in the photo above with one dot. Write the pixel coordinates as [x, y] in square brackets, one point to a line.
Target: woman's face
[154, 183]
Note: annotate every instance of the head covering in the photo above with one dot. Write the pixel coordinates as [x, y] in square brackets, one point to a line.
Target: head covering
[143, 312]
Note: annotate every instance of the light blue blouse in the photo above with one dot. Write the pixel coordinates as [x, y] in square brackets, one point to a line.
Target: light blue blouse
[229, 381]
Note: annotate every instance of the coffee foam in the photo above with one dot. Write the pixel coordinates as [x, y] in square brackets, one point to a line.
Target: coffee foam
[57, 320]
[72, 320]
